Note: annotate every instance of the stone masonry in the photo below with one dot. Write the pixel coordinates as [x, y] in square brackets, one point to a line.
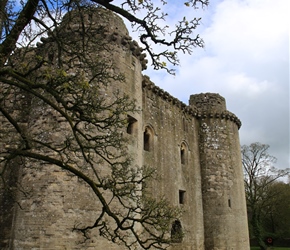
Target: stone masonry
[195, 149]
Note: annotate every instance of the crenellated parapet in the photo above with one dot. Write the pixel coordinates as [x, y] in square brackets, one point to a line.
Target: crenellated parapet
[212, 105]
[205, 105]
[227, 115]
[149, 85]
[126, 41]
[97, 23]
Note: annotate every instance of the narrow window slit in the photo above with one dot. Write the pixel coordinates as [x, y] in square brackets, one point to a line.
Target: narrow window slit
[181, 196]
[148, 139]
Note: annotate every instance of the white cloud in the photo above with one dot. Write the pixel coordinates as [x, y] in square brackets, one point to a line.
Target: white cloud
[252, 88]
[246, 60]
[250, 29]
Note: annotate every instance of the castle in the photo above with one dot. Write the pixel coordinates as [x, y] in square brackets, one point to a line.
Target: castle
[195, 149]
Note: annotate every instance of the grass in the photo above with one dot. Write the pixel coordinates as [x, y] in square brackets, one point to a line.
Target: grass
[272, 248]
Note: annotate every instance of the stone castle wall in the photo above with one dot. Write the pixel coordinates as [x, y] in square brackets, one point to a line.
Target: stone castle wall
[194, 148]
[175, 133]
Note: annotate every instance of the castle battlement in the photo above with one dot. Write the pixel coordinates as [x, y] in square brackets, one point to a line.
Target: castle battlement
[99, 23]
[194, 148]
[200, 105]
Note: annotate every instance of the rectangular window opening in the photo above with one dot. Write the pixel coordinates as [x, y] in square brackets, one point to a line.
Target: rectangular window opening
[181, 196]
[132, 125]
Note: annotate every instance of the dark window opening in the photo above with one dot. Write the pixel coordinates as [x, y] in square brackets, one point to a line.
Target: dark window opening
[176, 232]
[148, 139]
[183, 154]
[181, 196]
[132, 125]
[229, 203]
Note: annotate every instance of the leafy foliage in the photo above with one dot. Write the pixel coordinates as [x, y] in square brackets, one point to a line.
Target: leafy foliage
[276, 217]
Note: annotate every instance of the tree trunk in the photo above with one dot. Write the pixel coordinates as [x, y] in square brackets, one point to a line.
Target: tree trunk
[257, 231]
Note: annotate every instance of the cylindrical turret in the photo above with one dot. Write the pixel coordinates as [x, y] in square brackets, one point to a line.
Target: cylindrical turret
[225, 217]
[95, 51]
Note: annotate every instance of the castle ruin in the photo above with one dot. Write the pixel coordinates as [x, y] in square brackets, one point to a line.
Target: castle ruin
[195, 149]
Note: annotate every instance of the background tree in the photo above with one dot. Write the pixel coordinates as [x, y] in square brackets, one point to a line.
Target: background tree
[260, 176]
[44, 77]
[276, 218]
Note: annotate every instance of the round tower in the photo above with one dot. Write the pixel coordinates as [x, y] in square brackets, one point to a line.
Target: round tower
[57, 201]
[225, 216]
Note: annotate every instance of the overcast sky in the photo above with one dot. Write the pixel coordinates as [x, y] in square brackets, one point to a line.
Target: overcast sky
[246, 60]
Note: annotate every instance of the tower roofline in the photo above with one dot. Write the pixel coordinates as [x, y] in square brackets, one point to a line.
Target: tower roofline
[97, 22]
[200, 110]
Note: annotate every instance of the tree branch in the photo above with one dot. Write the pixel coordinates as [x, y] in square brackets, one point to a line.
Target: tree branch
[25, 16]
